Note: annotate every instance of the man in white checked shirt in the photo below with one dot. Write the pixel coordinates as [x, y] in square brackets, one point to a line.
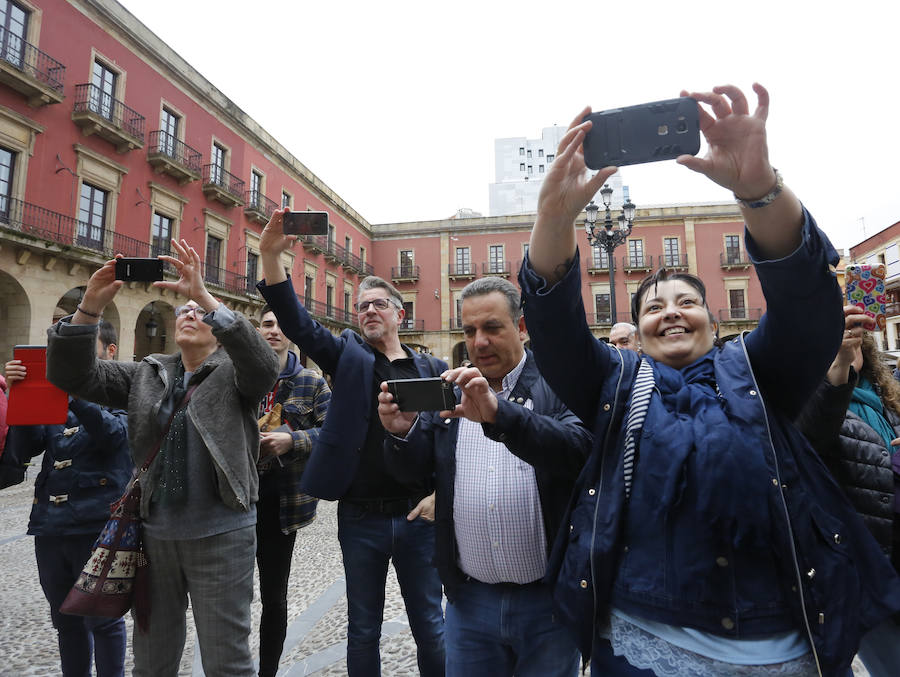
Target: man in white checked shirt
[504, 462]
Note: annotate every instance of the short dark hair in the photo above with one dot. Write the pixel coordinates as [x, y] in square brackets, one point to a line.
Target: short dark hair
[489, 285]
[265, 309]
[107, 334]
[663, 275]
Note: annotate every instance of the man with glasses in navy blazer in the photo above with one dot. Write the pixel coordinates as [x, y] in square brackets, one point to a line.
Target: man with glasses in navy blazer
[377, 512]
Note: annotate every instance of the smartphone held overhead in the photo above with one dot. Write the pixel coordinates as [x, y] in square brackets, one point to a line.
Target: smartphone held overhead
[305, 223]
[865, 288]
[139, 270]
[661, 130]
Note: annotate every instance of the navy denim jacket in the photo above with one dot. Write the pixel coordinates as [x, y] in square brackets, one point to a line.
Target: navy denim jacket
[548, 437]
[86, 467]
[824, 575]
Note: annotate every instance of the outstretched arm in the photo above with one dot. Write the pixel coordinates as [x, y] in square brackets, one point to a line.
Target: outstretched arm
[565, 191]
[737, 158]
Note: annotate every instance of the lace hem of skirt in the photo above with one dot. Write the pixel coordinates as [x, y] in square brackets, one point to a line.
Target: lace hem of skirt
[649, 652]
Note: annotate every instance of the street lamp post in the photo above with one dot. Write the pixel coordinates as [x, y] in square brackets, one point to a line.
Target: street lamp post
[609, 236]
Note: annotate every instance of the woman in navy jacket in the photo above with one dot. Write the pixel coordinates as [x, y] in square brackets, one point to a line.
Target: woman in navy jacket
[705, 536]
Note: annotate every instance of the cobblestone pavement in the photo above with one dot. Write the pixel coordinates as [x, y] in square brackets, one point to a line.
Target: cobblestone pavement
[317, 606]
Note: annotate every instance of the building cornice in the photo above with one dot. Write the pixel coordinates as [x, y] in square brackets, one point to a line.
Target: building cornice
[124, 26]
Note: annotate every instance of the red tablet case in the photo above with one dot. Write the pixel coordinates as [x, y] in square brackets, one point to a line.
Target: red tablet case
[34, 400]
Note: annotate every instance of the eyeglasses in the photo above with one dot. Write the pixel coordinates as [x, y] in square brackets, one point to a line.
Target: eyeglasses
[199, 313]
[380, 304]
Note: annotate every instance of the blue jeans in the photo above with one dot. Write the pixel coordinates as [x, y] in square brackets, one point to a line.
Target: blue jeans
[368, 542]
[59, 561]
[500, 630]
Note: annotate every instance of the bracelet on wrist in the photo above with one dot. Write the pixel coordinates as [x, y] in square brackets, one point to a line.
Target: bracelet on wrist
[766, 199]
[88, 312]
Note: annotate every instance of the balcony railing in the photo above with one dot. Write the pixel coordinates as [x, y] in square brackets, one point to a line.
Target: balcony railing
[892, 309]
[734, 258]
[597, 266]
[314, 243]
[258, 207]
[740, 314]
[323, 311]
[604, 319]
[168, 154]
[496, 268]
[225, 279]
[223, 186]
[98, 112]
[408, 272]
[333, 251]
[457, 270]
[410, 325]
[351, 261]
[455, 323]
[30, 71]
[672, 261]
[637, 262]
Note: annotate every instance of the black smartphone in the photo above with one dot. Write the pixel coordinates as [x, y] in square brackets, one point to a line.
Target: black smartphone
[139, 270]
[305, 223]
[423, 394]
[661, 130]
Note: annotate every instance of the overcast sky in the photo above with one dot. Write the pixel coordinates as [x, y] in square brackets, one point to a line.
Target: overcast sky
[396, 105]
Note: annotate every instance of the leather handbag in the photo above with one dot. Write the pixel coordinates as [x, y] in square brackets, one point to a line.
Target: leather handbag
[116, 577]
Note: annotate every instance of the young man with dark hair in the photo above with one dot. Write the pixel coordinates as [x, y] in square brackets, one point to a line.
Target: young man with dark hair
[291, 415]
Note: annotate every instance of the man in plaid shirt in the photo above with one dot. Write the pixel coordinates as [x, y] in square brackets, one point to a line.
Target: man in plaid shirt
[291, 416]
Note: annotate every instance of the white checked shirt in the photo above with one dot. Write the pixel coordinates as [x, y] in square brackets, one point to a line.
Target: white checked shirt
[499, 525]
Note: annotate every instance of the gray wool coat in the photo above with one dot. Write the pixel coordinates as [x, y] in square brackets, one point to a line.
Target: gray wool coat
[222, 409]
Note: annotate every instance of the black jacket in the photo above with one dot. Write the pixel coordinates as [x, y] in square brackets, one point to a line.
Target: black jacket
[856, 456]
[548, 437]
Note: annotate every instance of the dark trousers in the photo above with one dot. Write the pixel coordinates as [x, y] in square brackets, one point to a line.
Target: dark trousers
[273, 557]
[59, 561]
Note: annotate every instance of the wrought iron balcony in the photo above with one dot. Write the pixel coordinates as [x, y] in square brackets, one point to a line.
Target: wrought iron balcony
[258, 207]
[672, 261]
[313, 243]
[96, 112]
[411, 325]
[600, 319]
[407, 273]
[734, 258]
[351, 261]
[323, 311]
[462, 271]
[500, 268]
[455, 323]
[225, 279]
[29, 219]
[333, 251]
[739, 315]
[599, 266]
[637, 263]
[30, 71]
[169, 155]
[222, 186]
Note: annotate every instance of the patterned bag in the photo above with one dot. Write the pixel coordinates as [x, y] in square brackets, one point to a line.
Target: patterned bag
[115, 577]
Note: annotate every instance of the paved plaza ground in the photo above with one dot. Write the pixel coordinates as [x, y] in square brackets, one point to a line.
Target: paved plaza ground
[317, 606]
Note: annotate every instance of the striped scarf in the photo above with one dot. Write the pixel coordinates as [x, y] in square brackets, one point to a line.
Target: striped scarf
[637, 412]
